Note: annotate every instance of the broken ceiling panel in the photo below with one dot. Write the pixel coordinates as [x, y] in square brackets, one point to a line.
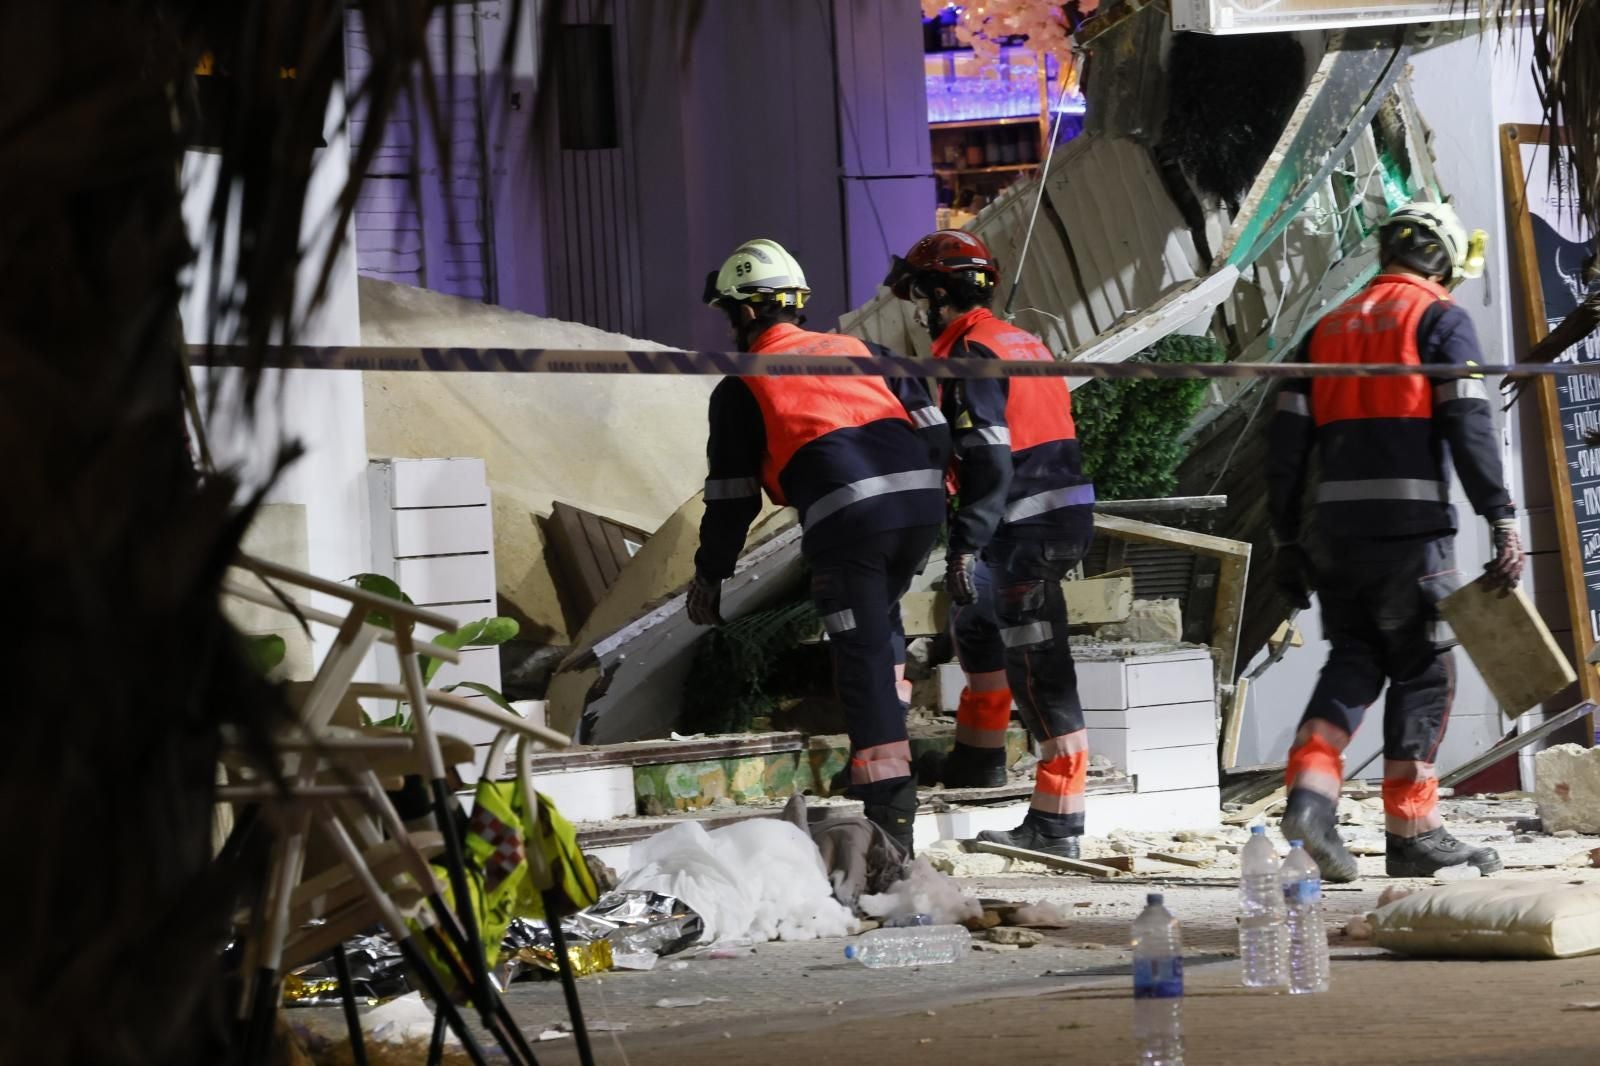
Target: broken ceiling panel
[624, 677]
[1107, 244]
[1355, 77]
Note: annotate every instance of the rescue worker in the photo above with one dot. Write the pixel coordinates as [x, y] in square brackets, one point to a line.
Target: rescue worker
[1378, 543]
[1022, 518]
[846, 454]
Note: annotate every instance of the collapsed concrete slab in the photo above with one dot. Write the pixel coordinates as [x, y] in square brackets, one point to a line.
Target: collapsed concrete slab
[624, 679]
[1567, 788]
[630, 449]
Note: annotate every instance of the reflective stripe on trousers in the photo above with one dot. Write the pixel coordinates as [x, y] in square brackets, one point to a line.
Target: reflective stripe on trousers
[1316, 762]
[1052, 500]
[984, 714]
[1060, 781]
[839, 621]
[885, 762]
[866, 488]
[990, 436]
[1410, 797]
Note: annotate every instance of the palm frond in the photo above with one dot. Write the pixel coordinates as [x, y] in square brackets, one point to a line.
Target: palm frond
[1566, 71]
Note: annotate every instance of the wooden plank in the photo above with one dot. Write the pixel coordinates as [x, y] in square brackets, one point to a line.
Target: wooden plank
[1177, 859]
[1232, 578]
[1105, 784]
[651, 752]
[1526, 267]
[616, 538]
[1259, 807]
[594, 543]
[1233, 723]
[1055, 862]
[579, 574]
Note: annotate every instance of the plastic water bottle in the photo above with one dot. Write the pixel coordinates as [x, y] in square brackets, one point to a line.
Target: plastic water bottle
[1158, 985]
[918, 945]
[1308, 944]
[1263, 932]
[907, 920]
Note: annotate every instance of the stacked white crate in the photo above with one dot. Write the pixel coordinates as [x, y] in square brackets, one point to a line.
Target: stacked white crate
[1155, 716]
[433, 533]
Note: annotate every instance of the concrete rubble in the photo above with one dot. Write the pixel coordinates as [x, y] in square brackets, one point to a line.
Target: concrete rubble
[1148, 620]
[1567, 788]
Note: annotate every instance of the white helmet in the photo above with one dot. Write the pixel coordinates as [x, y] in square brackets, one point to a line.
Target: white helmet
[1429, 237]
[759, 271]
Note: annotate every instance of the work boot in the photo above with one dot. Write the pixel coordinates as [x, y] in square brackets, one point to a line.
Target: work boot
[894, 810]
[1031, 837]
[1426, 854]
[1311, 819]
[965, 767]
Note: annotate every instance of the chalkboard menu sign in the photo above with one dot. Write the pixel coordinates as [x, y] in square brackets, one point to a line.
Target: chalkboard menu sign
[1552, 250]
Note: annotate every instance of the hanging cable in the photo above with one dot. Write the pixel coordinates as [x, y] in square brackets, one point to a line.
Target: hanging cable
[1044, 172]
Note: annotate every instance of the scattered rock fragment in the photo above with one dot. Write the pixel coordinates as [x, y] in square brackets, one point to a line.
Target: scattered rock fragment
[1011, 934]
[1392, 893]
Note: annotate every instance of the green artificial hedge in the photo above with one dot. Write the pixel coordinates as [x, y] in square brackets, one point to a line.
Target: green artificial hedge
[1129, 429]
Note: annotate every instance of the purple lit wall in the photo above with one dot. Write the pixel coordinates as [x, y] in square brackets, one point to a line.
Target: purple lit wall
[802, 121]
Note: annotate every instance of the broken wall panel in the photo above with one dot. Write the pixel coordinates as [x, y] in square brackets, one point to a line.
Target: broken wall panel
[591, 552]
[1106, 244]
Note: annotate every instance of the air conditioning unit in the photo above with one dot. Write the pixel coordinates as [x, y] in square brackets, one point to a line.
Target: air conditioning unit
[1263, 16]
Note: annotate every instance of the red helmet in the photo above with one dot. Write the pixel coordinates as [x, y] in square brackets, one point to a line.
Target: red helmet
[945, 251]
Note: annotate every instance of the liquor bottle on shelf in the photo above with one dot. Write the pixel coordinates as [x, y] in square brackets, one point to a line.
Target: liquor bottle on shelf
[1027, 144]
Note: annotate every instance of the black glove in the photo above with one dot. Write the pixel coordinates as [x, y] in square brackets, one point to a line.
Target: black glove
[705, 601]
[1505, 569]
[958, 577]
[1292, 572]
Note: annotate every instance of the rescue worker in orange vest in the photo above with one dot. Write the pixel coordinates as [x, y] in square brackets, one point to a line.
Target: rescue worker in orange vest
[1379, 544]
[1023, 518]
[847, 455]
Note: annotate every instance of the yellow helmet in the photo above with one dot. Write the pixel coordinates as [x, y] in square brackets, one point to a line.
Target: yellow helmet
[758, 271]
[1428, 236]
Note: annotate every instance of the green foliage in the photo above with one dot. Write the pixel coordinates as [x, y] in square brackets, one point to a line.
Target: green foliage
[482, 633]
[1129, 429]
[266, 651]
[379, 585]
[737, 672]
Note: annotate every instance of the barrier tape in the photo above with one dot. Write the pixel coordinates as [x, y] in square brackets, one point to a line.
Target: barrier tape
[747, 364]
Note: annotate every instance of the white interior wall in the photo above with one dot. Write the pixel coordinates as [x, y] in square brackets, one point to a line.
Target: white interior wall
[323, 410]
[1465, 115]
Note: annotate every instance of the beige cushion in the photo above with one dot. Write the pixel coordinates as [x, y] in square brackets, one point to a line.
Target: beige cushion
[1485, 919]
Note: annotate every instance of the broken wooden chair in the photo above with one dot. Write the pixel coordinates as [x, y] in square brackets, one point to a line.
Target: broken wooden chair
[330, 774]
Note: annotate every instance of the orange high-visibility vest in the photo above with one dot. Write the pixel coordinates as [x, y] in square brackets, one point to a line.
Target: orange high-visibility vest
[798, 410]
[1038, 410]
[1378, 325]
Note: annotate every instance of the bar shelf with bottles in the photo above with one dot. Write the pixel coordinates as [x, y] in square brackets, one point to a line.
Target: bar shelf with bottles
[989, 121]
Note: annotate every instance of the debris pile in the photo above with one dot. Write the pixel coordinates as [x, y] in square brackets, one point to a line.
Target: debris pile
[1567, 788]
